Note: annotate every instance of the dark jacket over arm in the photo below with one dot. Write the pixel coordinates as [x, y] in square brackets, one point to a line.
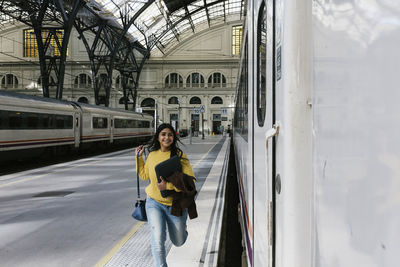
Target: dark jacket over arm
[185, 199]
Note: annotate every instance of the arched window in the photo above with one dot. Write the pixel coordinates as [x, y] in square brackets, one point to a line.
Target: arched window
[102, 80]
[216, 100]
[82, 81]
[148, 102]
[195, 100]
[173, 100]
[122, 100]
[9, 81]
[118, 83]
[173, 80]
[195, 80]
[83, 99]
[217, 79]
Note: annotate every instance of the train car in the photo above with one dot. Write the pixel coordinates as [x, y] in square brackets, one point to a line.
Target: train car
[114, 125]
[34, 124]
[316, 133]
[29, 122]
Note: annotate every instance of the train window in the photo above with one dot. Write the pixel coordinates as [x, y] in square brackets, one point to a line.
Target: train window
[133, 124]
[68, 122]
[241, 111]
[124, 123]
[14, 120]
[47, 121]
[33, 121]
[99, 123]
[261, 64]
[59, 122]
[63, 122]
[3, 119]
[119, 123]
[30, 120]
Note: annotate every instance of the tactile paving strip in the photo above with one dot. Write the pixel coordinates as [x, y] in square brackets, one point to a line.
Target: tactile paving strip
[136, 252]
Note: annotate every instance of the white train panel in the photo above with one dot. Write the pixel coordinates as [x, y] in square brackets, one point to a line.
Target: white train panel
[356, 125]
[318, 172]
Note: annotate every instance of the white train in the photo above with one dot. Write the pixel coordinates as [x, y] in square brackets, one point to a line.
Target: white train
[28, 122]
[316, 133]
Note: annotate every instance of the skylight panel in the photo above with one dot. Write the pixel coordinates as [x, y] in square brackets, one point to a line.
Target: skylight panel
[199, 17]
[196, 5]
[183, 26]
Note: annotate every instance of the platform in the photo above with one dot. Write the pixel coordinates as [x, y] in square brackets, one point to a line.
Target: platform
[77, 213]
[201, 247]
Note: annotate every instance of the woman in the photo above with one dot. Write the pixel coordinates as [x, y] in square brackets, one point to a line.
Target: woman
[158, 209]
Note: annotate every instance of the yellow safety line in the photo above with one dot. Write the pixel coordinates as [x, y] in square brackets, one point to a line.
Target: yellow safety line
[198, 162]
[118, 246]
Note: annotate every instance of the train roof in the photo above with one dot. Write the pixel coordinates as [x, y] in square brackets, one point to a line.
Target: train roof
[107, 109]
[33, 98]
[68, 104]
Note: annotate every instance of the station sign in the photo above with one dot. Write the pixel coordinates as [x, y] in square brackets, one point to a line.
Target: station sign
[202, 109]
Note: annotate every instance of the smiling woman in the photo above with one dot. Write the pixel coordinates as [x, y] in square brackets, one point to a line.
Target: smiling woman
[166, 137]
[158, 207]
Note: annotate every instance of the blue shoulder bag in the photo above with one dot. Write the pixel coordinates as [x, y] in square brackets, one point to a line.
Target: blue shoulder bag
[140, 206]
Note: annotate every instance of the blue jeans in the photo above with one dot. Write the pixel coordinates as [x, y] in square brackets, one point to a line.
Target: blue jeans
[159, 217]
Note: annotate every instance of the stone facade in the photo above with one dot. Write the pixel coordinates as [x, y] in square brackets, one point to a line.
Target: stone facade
[207, 54]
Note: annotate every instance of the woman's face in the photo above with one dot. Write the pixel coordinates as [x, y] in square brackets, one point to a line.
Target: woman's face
[166, 138]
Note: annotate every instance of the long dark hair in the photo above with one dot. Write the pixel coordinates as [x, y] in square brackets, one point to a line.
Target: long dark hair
[155, 144]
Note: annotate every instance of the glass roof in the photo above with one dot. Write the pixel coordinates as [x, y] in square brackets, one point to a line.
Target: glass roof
[153, 23]
[157, 26]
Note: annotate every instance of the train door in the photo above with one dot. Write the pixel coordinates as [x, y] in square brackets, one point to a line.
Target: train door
[111, 119]
[264, 134]
[77, 124]
[77, 128]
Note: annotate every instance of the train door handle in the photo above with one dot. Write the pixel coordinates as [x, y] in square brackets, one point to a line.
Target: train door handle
[274, 131]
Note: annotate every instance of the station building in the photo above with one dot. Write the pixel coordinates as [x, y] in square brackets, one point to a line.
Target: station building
[190, 82]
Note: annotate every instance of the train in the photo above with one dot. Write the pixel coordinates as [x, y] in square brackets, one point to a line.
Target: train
[30, 125]
[316, 133]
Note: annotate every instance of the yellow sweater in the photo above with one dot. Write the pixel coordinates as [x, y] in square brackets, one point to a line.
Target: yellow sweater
[147, 171]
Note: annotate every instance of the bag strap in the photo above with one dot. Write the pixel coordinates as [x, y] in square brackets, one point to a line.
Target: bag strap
[137, 175]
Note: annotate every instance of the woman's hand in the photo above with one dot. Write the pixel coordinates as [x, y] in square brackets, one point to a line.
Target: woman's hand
[140, 150]
[162, 185]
